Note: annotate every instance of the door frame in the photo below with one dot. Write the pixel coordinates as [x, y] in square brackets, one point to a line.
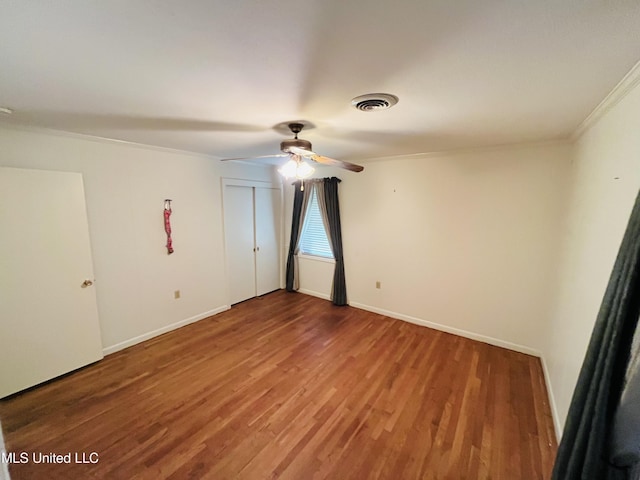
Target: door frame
[240, 182]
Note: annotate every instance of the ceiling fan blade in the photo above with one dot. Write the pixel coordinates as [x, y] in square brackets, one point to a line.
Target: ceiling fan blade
[325, 160]
[337, 163]
[275, 155]
[302, 152]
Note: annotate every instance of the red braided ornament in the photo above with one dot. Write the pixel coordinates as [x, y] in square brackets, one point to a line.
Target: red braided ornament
[167, 228]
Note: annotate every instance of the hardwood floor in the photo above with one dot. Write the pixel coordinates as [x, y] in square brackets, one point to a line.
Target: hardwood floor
[289, 386]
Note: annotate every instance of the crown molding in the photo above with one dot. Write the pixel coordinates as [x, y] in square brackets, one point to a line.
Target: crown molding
[621, 90]
[96, 139]
[114, 141]
[552, 142]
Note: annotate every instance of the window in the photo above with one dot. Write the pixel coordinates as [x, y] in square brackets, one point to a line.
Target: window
[313, 240]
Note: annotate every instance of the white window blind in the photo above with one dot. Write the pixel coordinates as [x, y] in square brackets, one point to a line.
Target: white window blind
[313, 240]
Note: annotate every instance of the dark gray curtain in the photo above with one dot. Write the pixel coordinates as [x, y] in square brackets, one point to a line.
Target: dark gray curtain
[339, 289]
[585, 451]
[298, 203]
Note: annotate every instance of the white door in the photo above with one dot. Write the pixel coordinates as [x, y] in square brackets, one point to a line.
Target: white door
[48, 314]
[252, 217]
[240, 242]
[267, 221]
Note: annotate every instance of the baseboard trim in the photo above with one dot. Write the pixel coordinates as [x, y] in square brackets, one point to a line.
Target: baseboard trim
[554, 409]
[313, 293]
[456, 331]
[146, 336]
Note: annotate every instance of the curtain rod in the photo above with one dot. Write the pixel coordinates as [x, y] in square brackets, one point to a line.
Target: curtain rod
[311, 179]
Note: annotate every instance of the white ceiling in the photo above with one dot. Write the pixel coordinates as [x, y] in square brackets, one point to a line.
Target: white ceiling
[217, 76]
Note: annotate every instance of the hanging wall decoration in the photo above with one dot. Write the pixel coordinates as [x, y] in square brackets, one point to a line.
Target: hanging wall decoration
[167, 225]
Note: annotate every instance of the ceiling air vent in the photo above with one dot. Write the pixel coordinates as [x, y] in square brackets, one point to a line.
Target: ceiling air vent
[374, 101]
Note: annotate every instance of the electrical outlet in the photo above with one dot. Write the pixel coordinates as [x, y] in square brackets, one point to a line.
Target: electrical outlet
[378, 284]
[176, 294]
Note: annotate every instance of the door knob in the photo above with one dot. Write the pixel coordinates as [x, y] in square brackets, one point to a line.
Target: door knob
[86, 283]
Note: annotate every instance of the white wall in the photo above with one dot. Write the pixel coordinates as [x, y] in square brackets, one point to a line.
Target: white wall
[125, 187]
[466, 241]
[604, 181]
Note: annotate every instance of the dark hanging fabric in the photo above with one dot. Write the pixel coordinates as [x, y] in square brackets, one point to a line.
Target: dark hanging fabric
[339, 290]
[585, 451]
[298, 198]
[625, 437]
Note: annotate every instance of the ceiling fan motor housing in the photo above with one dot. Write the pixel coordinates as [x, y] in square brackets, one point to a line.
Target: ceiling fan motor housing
[286, 145]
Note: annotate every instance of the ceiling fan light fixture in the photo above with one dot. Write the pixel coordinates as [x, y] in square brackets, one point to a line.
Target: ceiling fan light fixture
[372, 102]
[296, 169]
[288, 170]
[304, 170]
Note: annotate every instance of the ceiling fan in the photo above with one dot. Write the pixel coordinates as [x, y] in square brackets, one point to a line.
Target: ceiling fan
[298, 149]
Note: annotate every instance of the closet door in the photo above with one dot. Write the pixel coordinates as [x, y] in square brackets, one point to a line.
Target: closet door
[252, 224]
[240, 242]
[267, 221]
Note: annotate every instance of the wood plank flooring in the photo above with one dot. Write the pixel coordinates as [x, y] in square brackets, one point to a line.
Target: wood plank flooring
[288, 386]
